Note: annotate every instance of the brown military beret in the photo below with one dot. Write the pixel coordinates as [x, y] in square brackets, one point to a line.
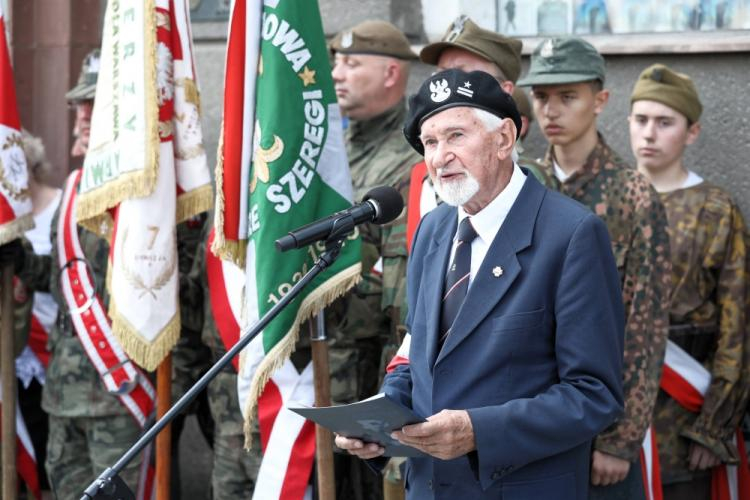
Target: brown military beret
[373, 37]
[522, 103]
[676, 90]
[465, 34]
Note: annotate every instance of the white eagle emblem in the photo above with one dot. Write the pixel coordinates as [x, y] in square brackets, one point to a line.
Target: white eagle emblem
[440, 90]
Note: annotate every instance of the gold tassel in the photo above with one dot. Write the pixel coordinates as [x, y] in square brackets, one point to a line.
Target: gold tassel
[319, 298]
[144, 353]
[194, 202]
[15, 228]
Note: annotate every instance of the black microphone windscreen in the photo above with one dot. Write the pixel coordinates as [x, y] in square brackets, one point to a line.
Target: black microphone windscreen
[390, 203]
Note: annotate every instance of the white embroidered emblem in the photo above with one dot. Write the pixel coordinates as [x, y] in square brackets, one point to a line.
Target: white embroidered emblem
[440, 90]
[347, 39]
[465, 90]
[548, 49]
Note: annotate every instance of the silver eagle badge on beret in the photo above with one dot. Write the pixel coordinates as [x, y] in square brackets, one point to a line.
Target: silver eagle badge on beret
[347, 38]
[439, 90]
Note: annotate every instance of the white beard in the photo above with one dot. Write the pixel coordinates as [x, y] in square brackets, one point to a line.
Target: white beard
[456, 192]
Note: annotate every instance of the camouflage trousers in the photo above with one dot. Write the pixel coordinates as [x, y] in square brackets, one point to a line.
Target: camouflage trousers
[80, 448]
[235, 469]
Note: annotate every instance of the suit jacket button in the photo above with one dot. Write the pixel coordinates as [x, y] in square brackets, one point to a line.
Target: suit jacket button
[495, 475]
[429, 484]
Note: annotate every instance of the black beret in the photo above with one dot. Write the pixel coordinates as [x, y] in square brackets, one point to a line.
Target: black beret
[452, 88]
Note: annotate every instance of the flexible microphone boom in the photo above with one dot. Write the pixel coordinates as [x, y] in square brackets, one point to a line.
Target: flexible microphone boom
[380, 205]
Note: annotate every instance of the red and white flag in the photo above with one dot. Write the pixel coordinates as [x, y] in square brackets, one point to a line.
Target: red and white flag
[15, 202]
[287, 441]
[687, 382]
[145, 170]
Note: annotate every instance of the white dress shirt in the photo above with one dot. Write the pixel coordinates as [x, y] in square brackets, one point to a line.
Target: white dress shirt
[488, 221]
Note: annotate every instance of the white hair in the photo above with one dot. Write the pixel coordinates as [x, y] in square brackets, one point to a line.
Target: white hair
[489, 121]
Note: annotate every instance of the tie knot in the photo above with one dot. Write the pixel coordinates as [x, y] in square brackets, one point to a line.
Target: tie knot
[466, 233]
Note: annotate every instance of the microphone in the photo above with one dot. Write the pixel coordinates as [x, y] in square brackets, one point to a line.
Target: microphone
[380, 205]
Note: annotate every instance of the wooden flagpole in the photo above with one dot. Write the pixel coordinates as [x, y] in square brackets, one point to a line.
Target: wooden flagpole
[164, 439]
[322, 385]
[8, 374]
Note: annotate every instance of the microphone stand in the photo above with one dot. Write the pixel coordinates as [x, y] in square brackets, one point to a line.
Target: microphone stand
[109, 486]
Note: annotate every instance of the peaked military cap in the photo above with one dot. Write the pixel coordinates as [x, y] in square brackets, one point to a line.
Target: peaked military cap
[661, 84]
[464, 34]
[85, 89]
[373, 37]
[454, 88]
[557, 61]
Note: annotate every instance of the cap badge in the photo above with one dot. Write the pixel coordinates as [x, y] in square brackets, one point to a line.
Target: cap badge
[440, 90]
[657, 75]
[347, 38]
[465, 90]
[456, 29]
[548, 49]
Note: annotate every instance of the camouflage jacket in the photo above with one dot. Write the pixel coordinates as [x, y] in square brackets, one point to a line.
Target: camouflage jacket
[708, 319]
[636, 220]
[379, 155]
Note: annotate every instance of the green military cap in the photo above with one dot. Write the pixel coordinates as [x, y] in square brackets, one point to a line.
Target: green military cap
[85, 89]
[373, 37]
[522, 103]
[465, 34]
[558, 61]
[676, 90]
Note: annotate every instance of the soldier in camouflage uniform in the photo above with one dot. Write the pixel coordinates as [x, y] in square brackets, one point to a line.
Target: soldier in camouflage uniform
[89, 428]
[468, 47]
[708, 317]
[371, 69]
[567, 76]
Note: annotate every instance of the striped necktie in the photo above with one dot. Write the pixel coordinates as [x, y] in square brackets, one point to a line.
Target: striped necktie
[457, 279]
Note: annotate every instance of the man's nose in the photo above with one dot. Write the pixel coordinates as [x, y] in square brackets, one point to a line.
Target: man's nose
[337, 73]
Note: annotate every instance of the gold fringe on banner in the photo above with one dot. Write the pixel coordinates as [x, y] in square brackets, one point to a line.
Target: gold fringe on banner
[91, 204]
[15, 228]
[194, 202]
[319, 298]
[147, 354]
[233, 251]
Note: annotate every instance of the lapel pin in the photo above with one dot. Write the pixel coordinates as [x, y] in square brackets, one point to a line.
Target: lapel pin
[497, 271]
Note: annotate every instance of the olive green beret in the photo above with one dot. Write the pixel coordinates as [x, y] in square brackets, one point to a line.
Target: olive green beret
[522, 103]
[465, 34]
[558, 61]
[373, 37]
[676, 90]
[85, 89]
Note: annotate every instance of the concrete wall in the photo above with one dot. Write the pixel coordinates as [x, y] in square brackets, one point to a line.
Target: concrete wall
[722, 154]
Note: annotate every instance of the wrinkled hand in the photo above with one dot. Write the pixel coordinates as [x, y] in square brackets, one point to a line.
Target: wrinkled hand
[445, 435]
[607, 469]
[701, 458]
[12, 253]
[359, 448]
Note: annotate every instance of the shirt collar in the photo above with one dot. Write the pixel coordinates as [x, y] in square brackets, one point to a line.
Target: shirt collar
[487, 222]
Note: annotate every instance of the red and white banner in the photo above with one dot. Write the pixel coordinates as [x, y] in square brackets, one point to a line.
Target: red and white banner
[287, 440]
[15, 202]
[145, 170]
[25, 457]
[650, 469]
[687, 382]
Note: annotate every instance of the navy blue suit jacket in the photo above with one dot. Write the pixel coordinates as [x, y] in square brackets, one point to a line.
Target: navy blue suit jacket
[535, 354]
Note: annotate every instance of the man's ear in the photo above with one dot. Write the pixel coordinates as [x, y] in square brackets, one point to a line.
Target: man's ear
[601, 99]
[392, 72]
[693, 132]
[508, 86]
[506, 138]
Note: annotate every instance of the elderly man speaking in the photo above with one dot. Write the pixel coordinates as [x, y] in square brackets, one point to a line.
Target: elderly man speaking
[515, 314]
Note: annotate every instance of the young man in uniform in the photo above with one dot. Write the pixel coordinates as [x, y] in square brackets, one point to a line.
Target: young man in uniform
[566, 77]
[708, 317]
[89, 425]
